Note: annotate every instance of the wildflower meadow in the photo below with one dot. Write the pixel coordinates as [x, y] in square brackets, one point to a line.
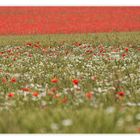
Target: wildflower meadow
[70, 83]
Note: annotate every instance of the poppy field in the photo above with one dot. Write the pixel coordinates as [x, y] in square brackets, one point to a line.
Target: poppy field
[76, 83]
[56, 20]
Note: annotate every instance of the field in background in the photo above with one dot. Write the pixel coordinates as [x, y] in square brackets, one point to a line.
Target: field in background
[42, 20]
[77, 83]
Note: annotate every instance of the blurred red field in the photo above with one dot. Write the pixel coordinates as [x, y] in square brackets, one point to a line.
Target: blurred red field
[49, 20]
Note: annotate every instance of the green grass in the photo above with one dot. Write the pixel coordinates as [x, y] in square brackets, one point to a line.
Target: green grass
[116, 38]
[99, 66]
[83, 120]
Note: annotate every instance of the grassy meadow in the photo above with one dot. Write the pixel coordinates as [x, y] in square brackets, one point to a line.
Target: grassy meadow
[76, 83]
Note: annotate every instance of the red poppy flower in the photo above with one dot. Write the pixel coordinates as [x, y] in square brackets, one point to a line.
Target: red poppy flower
[1, 53]
[123, 55]
[35, 94]
[54, 80]
[75, 81]
[25, 89]
[4, 80]
[13, 80]
[29, 44]
[11, 94]
[126, 49]
[89, 95]
[77, 44]
[121, 93]
[14, 59]
[30, 55]
[89, 51]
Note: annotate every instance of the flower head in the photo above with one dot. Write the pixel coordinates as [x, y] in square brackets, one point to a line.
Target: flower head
[54, 80]
[4, 80]
[25, 89]
[120, 93]
[13, 80]
[29, 44]
[35, 94]
[126, 49]
[89, 95]
[75, 81]
[123, 55]
[11, 94]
